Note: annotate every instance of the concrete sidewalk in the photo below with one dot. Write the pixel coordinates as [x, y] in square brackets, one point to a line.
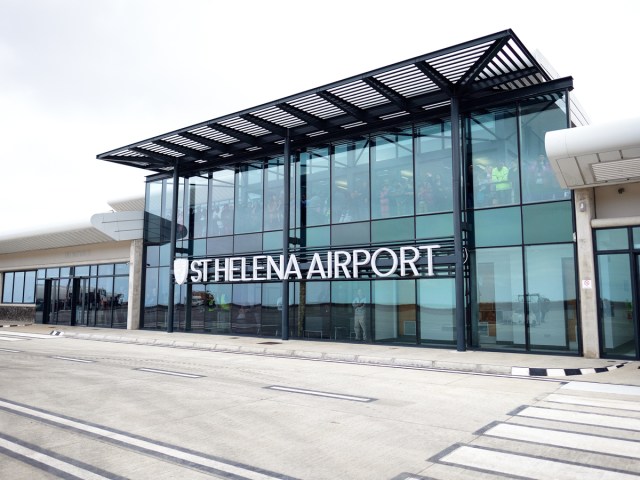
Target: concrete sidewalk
[501, 363]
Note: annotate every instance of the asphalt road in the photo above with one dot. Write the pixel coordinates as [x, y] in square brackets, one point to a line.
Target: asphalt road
[74, 408]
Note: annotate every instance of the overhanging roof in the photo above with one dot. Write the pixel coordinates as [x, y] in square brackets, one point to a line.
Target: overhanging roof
[377, 99]
[596, 154]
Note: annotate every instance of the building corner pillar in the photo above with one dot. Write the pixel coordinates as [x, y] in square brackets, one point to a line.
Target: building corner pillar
[585, 212]
[135, 285]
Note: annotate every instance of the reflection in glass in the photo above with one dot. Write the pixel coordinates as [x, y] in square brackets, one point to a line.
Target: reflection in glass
[616, 305]
[29, 287]
[497, 298]
[7, 288]
[221, 201]
[548, 223]
[351, 234]
[612, 239]
[551, 297]
[351, 310]
[271, 310]
[18, 287]
[392, 175]
[245, 309]
[104, 296]
[218, 311]
[392, 230]
[394, 311]
[350, 193]
[496, 227]
[434, 226]
[274, 194]
[536, 119]
[437, 304]
[197, 221]
[314, 306]
[248, 199]
[120, 301]
[433, 168]
[313, 187]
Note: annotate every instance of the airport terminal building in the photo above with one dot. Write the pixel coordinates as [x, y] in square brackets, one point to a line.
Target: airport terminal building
[416, 204]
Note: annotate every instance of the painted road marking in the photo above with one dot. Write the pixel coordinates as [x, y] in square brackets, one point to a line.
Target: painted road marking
[594, 402]
[477, 458]
[25, 335]
[167, 372]
[183, 456]
[71, 359]
[11, 339]
[321, 394]
[9, 350]
[51, 462]
[595, 419]
[602, 387]
[575, 441]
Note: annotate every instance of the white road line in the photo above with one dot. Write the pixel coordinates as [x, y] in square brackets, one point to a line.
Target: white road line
[321, 394]
[9, 350]
[26, 335]
[70, 359]
[530, 467]
[50, 461]
[582, 418]
[11, 339]
[594, 402]
[577, 441]
[602, 387]
[140, 443]
[166, 372]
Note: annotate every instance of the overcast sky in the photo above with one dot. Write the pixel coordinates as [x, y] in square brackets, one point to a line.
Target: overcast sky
[81, 77]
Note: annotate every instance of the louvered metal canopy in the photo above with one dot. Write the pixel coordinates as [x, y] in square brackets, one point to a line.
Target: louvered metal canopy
[409, 90]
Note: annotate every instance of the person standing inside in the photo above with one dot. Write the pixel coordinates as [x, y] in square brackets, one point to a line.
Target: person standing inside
[359, 316]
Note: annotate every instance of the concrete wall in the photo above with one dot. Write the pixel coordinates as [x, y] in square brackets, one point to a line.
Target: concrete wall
[617, 201]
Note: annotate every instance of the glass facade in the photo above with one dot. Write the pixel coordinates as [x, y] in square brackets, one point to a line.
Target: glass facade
[618, 267]
[382, 190]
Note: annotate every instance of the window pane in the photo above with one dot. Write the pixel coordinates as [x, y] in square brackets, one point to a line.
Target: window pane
[106, 269]
[29, 287]
[246, 311]
[198, 193]
[18, 287]
[392, 175]
[497, 227]
[272, 241]
[221, 200]
[274, 193]
[153, 212]
[351, 234]
[497, 298]
[493, 157]
[612, 239]
[105, 296]
[392, 230]
[351, 310]
[315, 237]
[248, 199]
[350, 194]
[84, 270]
[433, 168]
[313, 187]
[548, 223]
[434, 226]
[65, 272]
[636, 237]
[536, 119]
[7, 290]
[220, 246]
[120, 301]
[437, 303]
[53, 273]
[394, 311]
[616, 303]
[551, 297]
[247, 243]
[219, 310]
[122, 269]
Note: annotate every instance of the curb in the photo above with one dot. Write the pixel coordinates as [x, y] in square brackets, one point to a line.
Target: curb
[486, 369]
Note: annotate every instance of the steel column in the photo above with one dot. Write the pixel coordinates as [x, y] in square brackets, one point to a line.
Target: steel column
[172, 246]
[285, 233]
[456, 163]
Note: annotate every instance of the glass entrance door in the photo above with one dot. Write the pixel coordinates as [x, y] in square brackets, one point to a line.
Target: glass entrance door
[82, 301]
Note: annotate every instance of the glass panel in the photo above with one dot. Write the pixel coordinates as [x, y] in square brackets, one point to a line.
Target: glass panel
[65, 272]
[392, 175]
[29, 287]
[7, 289]
[616, 304]
[497, 298]
[199, 248]
[53, 273]
[315, 237]
[220, 246]
[163, 296]
[548, 223]
[536, 119]
[350, 193]
[120, 301]
[122, 269]
[218, 316]
[42, 273]
[352, 234]
[247, 243]
[612, 239]
[274, 193]
[493, 157]
[392, 230]
[272, 241]
[245, 310]
[18, 287]
[433, 168]
[313, 187]
[198, 193]
[271, 312]
[199, 308]
[551, 298]
[165, 254]
[105, 301]
[153, 212]
[106, 269]
[434, 226]
[248, 199]
[351, 310]
[636, 237]
[394, 311]
[39, 300]
[84, 270]
[500, 226]
[315, 308]
[221, 198]
[64, 301]
[437, 303]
